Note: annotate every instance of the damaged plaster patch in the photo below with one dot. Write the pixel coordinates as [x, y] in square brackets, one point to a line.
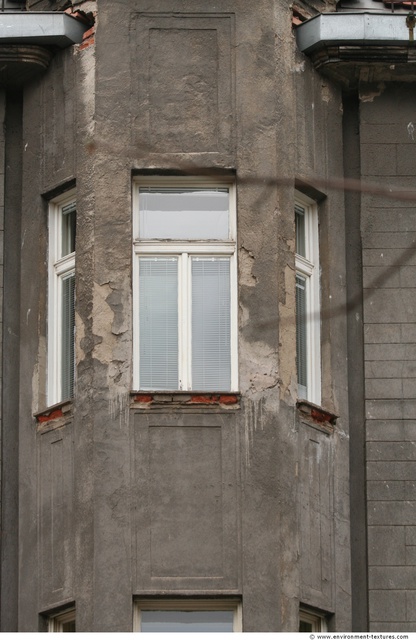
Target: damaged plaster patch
[300, 67]
[246, 263]
[369, 95]
[79, 338]
[287, 338]
[259, 368]
[325, 93]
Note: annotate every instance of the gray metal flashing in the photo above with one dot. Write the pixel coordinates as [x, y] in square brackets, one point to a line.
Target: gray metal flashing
[40, 28]
[353, 29]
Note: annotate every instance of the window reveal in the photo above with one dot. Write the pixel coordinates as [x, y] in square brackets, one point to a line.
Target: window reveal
[308, 349]
[61, 299]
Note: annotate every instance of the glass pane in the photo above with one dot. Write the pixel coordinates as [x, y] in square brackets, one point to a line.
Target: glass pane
[68, 329]
[301, 336]
[300, 231]
[69, 217]
[187, 621]
[69, 626]
[184, 214]
[211, 343]
[158, 323]
[305, 627]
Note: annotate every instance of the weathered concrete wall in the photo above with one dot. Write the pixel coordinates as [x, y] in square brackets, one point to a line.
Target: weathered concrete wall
[325, 573]
[11, 163]
[388, 225]
[99, 115]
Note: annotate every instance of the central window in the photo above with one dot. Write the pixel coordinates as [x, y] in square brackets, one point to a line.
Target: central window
[185, 286]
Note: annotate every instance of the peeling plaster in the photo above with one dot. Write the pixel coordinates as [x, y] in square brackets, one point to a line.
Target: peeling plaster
[246, 264]
[259, 367]
[369, 96]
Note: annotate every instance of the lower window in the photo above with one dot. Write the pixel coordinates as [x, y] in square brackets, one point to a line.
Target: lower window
[181, 616]
[63, 622]
[310, 621]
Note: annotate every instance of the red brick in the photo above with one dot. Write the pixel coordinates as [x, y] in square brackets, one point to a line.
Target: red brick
[228, 399]
[143, 397]
[57, 413]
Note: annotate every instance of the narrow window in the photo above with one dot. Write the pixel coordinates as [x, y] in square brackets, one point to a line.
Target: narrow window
[192, 616]
[185, 328]
[308, 347]
[61, 299]
[62, 622]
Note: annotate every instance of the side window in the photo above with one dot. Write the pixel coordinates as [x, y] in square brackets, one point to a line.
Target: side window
[179, 616]
[62, 622]
[61, 299]
[308, 320]
[185, 307]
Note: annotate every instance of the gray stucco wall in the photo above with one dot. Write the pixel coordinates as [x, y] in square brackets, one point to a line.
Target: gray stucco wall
[388, 226]
[114, 467]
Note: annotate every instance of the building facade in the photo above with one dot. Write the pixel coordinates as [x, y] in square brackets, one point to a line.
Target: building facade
[208, 319]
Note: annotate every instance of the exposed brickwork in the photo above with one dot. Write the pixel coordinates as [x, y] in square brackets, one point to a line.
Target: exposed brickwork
[186, 398]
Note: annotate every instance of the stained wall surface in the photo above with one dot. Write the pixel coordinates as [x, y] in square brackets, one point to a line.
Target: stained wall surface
[176, 495]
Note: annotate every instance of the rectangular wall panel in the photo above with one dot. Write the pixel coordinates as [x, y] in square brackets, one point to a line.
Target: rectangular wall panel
[183, 96]
[56, 515]
[185, 504]
[316, 517]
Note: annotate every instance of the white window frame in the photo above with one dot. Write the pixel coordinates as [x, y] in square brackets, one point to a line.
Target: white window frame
[56, 622]
[316, 620]
[308, 267]
[184, 604]
[184, 250]
[58, 269]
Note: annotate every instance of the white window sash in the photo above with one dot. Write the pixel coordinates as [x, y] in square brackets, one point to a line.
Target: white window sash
[185, 251]
[308, 267]
[185, 316]
[58, 269]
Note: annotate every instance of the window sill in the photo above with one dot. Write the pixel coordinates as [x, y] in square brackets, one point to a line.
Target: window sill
[54, 416]
[184, 399]
[316, 417]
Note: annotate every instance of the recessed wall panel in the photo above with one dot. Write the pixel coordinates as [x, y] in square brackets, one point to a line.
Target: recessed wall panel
[56, 515]
[185, 502]
[183, 98]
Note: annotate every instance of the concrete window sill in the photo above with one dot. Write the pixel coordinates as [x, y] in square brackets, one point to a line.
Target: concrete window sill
[55, 415]
[184, 399]
[316, 417]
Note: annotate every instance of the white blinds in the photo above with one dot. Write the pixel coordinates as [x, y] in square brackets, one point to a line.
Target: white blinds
[158, 325]
[68, 326]
[211, 346]
[301, 336]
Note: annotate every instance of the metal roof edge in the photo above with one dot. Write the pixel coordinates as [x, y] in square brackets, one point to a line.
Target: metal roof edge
[354, 29]
[40, 28]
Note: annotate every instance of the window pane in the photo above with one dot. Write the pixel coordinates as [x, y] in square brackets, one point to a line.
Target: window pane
[158, 323]
[187, 621]
[69, 626]
[68, 327]
[300, 231]
[301, 336]
[305, 627]
[69, 214]
[211, 345]
[184, 214]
